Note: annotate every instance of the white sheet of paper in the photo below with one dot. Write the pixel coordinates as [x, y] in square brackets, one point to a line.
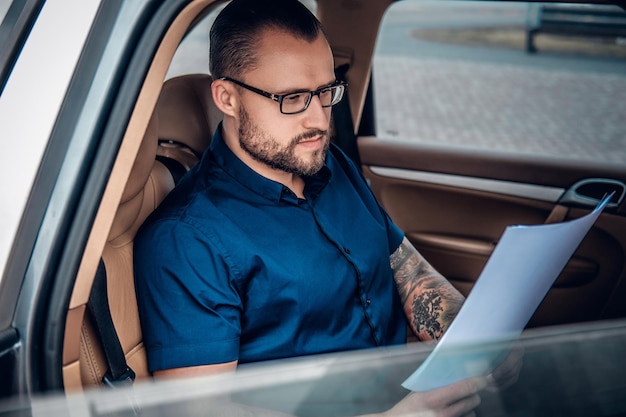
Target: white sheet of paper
[522, 268]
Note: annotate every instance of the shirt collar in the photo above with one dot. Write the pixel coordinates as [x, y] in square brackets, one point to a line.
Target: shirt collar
[259, 184]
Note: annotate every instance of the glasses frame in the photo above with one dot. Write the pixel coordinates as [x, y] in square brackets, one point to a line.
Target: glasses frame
[280, 97]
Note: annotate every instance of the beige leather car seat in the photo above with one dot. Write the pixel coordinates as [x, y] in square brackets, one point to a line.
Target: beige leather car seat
[187, 119]
[149, 183]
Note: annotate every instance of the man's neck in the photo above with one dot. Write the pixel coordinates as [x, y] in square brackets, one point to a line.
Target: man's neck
[292, 181]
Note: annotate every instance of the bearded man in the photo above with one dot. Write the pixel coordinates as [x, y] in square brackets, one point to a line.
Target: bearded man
[274, 246]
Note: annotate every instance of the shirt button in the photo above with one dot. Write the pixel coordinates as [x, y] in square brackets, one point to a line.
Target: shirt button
[368, 301]
[346, 250]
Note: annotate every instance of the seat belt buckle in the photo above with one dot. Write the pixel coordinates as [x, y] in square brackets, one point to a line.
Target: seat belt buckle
[125, 379]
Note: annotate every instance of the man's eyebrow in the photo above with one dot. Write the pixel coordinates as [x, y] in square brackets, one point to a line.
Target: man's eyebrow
[304, 90]
[328, 84]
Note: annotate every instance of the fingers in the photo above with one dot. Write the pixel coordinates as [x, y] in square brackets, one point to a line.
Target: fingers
[508, 371]
[454, 400]
[456, 405]
[511, 364]
[453, 393]
[462, 407]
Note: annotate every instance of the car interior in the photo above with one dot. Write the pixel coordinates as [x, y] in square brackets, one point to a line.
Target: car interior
[178, 132]
[455, 227]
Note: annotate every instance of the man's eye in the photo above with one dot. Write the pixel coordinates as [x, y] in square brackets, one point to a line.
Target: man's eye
[294, 97]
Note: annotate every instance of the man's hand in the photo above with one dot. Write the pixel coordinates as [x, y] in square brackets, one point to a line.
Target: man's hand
[507, 373]
[456, 399]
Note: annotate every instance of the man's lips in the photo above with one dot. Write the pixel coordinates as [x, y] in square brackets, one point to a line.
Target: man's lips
[315, 139]
[312, 142]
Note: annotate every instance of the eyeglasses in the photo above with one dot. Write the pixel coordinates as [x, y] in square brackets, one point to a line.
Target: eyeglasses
[298, 101]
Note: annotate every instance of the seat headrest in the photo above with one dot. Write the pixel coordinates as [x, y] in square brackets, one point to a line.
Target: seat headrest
[186, 111]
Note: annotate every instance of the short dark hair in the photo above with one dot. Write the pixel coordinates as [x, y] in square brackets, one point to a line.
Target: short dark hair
[235, 33]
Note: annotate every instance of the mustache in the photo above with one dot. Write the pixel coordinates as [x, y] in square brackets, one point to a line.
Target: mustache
[309, 135]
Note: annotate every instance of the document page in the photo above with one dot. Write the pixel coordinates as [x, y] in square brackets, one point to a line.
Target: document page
[522, 268]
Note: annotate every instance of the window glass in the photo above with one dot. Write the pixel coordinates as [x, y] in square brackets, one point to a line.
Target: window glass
[464, 74]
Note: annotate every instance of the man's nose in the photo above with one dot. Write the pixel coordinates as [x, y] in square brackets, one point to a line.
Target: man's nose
[316, 116]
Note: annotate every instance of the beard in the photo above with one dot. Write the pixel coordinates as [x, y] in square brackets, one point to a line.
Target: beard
[264, 148]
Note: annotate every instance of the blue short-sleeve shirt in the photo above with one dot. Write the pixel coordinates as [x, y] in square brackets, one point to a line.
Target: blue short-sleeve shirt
[233, 266]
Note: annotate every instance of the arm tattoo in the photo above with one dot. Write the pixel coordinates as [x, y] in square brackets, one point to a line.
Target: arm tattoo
[430, 301]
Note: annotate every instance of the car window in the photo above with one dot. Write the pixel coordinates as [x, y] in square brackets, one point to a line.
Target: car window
[504, 76]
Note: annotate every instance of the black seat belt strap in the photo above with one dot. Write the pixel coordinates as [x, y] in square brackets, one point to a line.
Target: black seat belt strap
[98, 305]
[344, 125]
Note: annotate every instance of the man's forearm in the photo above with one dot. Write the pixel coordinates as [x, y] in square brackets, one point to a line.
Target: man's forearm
[430, 301]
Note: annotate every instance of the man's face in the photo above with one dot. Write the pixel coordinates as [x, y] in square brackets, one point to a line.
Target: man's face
[293, 143]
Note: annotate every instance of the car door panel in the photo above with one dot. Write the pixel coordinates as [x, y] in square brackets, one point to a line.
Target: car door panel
[454, 205]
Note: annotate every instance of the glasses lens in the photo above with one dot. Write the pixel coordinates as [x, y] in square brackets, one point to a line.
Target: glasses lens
[295, 103]
[326, 96]
[331, 95]
[298, 102]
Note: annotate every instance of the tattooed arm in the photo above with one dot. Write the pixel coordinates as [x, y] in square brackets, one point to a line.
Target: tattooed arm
[430, 301]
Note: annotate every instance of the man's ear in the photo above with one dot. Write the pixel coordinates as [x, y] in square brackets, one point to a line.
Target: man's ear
[225, 97]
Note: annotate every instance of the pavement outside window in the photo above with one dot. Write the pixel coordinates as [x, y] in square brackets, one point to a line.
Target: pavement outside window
[457, 74]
